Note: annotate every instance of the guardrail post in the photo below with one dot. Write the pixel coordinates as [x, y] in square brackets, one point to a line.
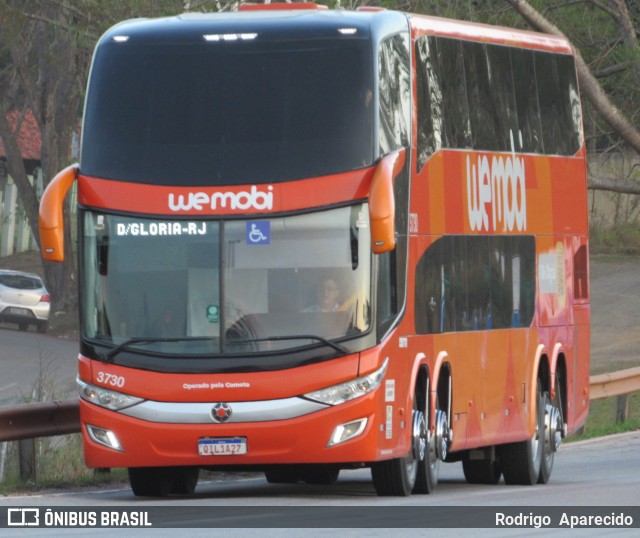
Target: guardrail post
[622, 408]
[27, 457]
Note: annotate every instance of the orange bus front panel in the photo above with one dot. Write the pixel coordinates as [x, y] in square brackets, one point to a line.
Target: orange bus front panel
[299, 440]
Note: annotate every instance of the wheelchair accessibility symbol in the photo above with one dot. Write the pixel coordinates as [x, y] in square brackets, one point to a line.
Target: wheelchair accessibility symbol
[259, 232]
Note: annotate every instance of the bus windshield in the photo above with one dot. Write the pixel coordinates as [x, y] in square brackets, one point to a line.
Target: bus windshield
[208, 111]
[193, 288]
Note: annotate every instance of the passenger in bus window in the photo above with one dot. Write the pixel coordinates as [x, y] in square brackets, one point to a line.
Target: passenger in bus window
[327, 292]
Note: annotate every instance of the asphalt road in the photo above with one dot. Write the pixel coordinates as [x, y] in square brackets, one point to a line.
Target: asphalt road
[35, 366]
[590, 474]
[615, 313]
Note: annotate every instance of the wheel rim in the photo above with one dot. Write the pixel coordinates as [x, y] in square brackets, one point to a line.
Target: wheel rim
[441, 435]
[537, 451]
[418, 442]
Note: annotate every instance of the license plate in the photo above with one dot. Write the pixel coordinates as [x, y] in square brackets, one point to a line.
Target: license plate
[222, 446]
[18, 311]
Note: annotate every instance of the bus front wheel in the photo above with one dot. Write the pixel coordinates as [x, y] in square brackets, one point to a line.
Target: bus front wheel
[397, 477]
[161, 481]
[429, 465]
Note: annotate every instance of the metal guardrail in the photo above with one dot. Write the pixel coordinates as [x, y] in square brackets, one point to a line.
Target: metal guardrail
[44, 419]
[619, 384]
[614, 384]
[24, 423]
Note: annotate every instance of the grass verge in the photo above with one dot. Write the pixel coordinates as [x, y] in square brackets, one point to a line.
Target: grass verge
[59, 465]
[620, 239]
[602, 418]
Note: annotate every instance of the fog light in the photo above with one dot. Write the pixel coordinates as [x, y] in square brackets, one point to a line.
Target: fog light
[347, 431]
[104, 437]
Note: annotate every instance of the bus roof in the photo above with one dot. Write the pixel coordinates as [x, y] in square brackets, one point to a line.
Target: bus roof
[295, 22]
[487, 33]
[313, 22]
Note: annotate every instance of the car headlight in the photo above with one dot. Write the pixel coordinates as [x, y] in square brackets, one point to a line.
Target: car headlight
[109, 399]
[349, 390]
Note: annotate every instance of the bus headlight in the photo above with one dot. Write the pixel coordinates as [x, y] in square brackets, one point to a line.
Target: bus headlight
[109, 399]
[349, 390]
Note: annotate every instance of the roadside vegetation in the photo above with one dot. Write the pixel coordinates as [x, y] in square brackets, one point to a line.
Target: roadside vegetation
[621, 239]
[602, 419]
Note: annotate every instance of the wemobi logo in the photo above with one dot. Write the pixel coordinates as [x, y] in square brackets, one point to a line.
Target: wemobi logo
[242, 200]
[496, 188]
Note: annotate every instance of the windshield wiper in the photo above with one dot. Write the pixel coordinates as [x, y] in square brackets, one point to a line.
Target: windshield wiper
[110, 355]
[325, 341]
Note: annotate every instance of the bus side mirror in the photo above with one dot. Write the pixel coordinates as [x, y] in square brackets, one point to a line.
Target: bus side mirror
[382, 207]
[50, 215]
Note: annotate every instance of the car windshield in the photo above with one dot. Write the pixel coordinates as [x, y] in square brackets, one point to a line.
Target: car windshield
[226, 287]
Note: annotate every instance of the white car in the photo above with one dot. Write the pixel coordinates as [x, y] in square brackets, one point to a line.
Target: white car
[24, 300]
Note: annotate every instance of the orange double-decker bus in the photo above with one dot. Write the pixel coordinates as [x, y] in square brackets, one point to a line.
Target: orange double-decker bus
[314, 240]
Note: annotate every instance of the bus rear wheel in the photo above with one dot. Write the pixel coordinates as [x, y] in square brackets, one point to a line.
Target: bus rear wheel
[485, 471]
[522, 462]
[551, 438]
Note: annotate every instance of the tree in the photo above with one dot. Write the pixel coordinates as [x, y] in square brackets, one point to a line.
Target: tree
[591, 87]
[588, 82]
[45, 53]
[42, 64]
[604, 35]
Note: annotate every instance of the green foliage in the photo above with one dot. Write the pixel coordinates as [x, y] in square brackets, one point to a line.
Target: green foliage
[602, 419]
[621, 239]
[59, 464]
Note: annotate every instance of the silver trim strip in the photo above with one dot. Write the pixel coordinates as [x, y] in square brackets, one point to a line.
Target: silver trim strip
[200, 413]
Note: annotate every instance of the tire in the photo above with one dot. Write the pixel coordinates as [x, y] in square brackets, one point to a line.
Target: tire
[394, 478]
[151, 481]
[320, 476]
[482, 471]
[42, 327]
[185, 480]
[398, 477]
[429, 465]
[282, 476]
[522, 462]
[23, 326]
[548, 453]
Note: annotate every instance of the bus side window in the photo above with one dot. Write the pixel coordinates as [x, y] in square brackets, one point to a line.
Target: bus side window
[503, 95]
[394, 86]
[455, 108]
[526, 95]
[429, 87]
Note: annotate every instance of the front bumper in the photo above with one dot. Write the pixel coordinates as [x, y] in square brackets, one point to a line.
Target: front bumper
[301, 439]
